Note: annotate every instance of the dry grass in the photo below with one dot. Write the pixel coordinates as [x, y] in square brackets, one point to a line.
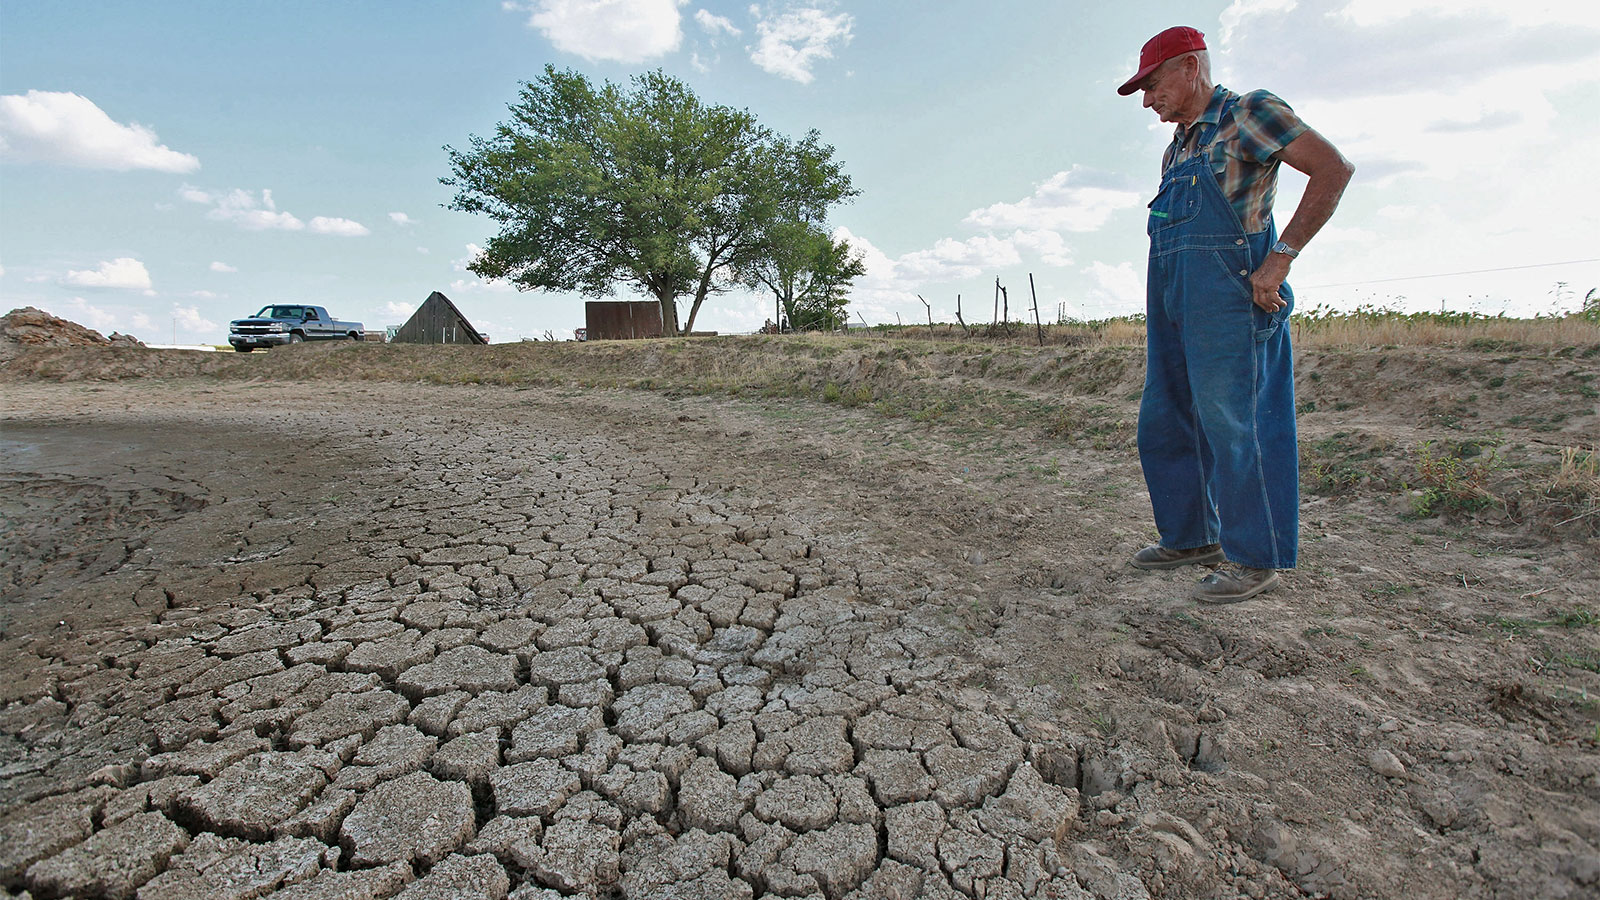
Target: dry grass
[1579, 474]
[1387, 329]
[1363, 328]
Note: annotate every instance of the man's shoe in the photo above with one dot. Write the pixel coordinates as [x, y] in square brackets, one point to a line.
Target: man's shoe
[1156, 556]
[1233, 583]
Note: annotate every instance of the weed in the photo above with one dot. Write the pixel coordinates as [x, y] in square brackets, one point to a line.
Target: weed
[1519, 627]
[1576, 618]
[1449, 482]
[1051, 468]
[933, 412]
[1103, 722]
[1579, 473]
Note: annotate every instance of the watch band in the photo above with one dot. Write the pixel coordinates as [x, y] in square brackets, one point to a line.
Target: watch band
[1285, 249]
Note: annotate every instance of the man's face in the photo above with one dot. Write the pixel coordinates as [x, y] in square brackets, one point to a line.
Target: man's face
[1167, 89]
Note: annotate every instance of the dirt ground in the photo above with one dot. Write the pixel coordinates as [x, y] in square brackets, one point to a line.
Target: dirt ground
[635, 643]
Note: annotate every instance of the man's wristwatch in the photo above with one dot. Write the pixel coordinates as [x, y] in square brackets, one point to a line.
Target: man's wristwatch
[1285, 249]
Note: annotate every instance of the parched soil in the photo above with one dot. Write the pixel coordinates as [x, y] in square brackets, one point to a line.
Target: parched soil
[780, 619]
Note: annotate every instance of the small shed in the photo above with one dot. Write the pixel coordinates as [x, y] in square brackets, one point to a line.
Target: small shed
[437, 321]
[622, 319]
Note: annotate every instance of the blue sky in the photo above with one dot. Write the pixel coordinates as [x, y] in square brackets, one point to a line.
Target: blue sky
[167, 166]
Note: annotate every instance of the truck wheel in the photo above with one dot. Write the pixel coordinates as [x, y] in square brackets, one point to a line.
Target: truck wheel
[243, 349]
[296, 338]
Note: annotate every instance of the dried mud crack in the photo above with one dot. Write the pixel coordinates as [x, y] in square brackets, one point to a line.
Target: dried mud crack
[355, 641]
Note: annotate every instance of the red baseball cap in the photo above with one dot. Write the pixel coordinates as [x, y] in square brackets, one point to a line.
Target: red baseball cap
[1175, 41]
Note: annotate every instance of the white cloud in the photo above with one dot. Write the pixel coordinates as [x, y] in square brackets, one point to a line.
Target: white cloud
[400, 218]
[399, 310]
[259, 212]
[2, 271]
[87, 314]
[1075, 200]
[341, 227]
[188, 318]
[1368, 13]
[68, 129]
[124, 272]
[222, 267]
[1345, 49]
[1339, 234]
[424, 251]
[462, 285]
[243, 209]
[714, 24]
[1050, 246]
[628, 31]
[203, 295]
[473, 252]
[1117, 290]
[790, 44]
[949, 259]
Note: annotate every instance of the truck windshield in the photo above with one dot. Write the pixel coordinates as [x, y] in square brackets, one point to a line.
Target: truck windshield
[281, 312]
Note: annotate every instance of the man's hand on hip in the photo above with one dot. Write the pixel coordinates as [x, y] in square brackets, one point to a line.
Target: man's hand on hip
[1265, 281]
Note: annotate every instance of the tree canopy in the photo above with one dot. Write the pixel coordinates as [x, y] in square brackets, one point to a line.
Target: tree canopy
[807, 272]
[648, 187]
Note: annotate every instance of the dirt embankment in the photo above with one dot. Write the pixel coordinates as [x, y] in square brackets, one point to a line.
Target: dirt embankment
[803, 617]
[31, 329]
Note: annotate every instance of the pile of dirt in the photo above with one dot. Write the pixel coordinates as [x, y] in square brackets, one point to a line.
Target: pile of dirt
[29, 327]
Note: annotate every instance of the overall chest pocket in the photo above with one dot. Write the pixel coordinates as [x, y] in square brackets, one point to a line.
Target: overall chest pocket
[1177, 202]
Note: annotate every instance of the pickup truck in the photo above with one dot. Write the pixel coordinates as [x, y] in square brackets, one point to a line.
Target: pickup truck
[289, 323]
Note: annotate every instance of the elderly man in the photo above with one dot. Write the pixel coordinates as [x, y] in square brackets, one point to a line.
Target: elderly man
[1217, 419]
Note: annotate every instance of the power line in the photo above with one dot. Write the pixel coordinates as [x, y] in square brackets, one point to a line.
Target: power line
[1569, 262]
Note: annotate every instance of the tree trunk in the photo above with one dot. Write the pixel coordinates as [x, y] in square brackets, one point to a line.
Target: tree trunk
[699, 297]
[669, 315]
[694, 310]
[788, 308]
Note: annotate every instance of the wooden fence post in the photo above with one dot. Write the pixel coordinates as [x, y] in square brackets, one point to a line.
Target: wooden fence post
[1036, 309]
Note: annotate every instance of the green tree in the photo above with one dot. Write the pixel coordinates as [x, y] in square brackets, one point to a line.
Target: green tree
[807, 272]
[646, 187]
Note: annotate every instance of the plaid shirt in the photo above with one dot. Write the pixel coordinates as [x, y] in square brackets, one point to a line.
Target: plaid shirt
[1244, 152]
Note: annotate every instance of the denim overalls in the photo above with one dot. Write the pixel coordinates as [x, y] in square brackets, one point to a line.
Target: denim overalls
[1216, 422]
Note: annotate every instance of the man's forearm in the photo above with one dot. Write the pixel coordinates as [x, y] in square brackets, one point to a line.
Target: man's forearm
[1317, 204]
[1328, 173]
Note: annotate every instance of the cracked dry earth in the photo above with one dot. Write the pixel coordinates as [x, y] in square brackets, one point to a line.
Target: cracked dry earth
[353, 641]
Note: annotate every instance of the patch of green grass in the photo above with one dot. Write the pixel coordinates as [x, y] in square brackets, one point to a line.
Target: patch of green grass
[1051, 468]
[1103, 722]
[1515, 626]
[1448, 481]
